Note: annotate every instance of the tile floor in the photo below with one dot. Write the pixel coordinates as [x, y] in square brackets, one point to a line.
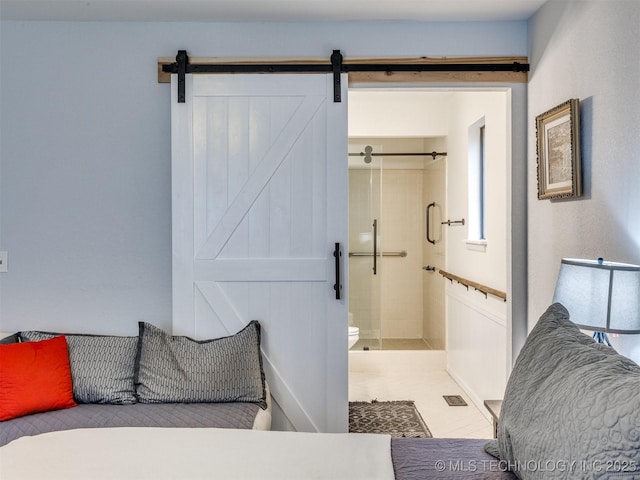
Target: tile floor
[426, 388]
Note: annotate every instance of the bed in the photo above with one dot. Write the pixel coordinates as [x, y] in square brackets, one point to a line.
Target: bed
[571, 410]
[51, 382]
[242, 415]
[206, 453]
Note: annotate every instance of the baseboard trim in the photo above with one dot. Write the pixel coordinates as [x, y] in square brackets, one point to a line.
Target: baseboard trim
[477, 401]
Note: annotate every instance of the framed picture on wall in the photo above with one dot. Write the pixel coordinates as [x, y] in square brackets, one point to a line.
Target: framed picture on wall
[558, 145]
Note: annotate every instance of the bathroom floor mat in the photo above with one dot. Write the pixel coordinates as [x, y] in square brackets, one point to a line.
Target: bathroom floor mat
[398, 419]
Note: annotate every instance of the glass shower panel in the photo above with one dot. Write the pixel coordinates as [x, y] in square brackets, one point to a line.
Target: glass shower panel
[365, 266]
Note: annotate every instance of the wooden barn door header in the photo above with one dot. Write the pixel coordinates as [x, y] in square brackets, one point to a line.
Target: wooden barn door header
[422, 69]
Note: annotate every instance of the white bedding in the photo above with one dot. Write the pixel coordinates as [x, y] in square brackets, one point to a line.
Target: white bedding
[196, 453]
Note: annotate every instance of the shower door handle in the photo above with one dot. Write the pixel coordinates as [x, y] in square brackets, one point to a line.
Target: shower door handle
[337, 253]
[432, 204]
[375, 246]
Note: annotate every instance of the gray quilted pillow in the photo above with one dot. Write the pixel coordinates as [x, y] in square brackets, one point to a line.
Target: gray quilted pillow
[180, 369]
[571, 408]
[102, 367]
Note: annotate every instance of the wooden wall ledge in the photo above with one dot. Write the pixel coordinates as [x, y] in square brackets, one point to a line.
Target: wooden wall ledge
[382, 76]
[476, 286]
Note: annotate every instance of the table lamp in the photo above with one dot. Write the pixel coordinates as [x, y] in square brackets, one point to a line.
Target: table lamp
[603, 297]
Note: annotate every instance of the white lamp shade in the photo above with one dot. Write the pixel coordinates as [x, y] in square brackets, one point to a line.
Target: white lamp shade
[600, 296]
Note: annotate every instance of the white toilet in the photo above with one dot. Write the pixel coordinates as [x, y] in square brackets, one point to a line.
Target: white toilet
[354, 335]
[354, 332]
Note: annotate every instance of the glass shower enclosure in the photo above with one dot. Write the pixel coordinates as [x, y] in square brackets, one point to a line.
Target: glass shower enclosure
[365, 246]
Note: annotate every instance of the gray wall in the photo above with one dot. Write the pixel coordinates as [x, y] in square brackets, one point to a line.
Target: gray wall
[587, 50]
[85, 151]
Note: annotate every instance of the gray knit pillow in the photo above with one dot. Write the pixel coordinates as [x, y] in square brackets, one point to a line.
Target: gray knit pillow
[571, 407]
[180, 369]
[102, 366]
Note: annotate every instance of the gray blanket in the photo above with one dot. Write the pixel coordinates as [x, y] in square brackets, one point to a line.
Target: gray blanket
[218, 415]
[445, 459]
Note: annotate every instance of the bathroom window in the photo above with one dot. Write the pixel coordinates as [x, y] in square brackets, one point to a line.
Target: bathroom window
[477, 177]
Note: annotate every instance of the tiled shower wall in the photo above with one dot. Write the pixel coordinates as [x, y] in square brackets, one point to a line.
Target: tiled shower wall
[401, 229]
[434, 190]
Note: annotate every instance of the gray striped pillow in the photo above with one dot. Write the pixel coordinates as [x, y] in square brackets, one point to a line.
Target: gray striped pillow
[102, 366]
[180, 369]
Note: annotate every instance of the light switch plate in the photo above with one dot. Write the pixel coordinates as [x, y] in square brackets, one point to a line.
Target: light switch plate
[3, 262]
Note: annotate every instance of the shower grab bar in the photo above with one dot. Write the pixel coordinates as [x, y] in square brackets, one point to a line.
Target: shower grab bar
[403, 253]
[453, 222]
[431, 205]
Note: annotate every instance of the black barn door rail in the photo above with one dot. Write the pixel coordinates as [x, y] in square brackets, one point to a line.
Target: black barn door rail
[335, 66]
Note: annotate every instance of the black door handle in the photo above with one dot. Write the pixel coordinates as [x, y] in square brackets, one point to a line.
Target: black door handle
[375, 246]
[337, 253]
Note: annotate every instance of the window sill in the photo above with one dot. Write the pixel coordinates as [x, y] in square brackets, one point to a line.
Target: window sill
[476, 245]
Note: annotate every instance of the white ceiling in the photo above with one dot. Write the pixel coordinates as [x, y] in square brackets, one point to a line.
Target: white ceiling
[269, 10]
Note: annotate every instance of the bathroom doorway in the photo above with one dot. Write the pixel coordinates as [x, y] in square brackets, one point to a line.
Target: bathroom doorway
[396, 186]
[478, 332]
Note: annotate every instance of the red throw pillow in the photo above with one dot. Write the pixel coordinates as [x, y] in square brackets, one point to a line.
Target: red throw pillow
[35, 377]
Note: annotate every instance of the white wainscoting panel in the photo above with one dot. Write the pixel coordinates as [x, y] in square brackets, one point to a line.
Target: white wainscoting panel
[476, 344]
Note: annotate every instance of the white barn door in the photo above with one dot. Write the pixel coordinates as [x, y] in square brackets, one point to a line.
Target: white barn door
[259, 191]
